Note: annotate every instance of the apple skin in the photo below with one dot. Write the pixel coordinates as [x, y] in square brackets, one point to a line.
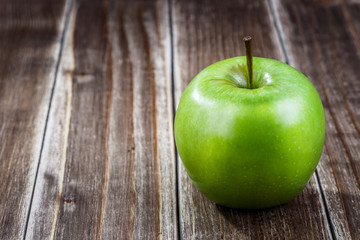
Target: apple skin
[250, 148]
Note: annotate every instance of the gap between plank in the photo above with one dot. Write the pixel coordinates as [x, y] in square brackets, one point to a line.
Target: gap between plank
[172, 76]
[278, 30]
[68, 10]
[325, 205]
[280, 34]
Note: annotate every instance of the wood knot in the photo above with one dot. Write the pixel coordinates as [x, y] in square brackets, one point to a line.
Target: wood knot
[84, 76]
[69, 200]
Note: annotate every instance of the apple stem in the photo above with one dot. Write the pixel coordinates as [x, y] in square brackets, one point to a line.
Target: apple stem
[247, 41]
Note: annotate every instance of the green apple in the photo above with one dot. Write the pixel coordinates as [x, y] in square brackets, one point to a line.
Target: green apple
[250, 143]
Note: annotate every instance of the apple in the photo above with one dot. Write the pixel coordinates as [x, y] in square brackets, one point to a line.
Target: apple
[250, 131]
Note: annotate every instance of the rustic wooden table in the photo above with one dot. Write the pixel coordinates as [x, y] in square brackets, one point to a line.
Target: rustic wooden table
[88, 93]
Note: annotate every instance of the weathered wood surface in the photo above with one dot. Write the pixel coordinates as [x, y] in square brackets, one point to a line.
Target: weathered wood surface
[108, 167]
[205, 33]
[86, 116]
[329, 53]
[30, 36]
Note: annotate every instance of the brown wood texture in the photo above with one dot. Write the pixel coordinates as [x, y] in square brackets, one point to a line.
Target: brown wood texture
[329, 53]
[108, 168]
[205, 32]
[30, 36]
[86, 116]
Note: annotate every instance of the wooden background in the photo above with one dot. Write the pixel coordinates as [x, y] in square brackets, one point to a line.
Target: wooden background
[88, 93]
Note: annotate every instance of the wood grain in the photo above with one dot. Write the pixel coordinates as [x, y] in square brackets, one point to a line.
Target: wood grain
[108, 169]
[328, 52]
[30, 36]
[205, 32]
[86, 116]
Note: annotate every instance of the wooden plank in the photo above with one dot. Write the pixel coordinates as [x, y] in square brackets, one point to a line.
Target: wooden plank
[30, 39]
[329, 53]
[108, 167]
[205, 32]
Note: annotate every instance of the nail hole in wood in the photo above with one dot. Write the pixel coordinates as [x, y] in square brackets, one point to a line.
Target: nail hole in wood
[69, 200]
